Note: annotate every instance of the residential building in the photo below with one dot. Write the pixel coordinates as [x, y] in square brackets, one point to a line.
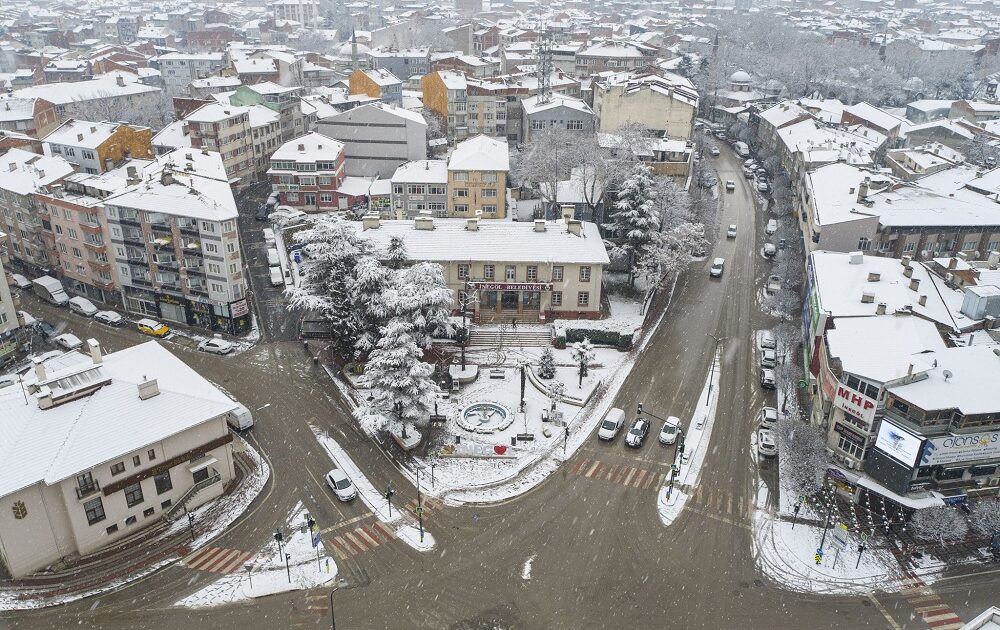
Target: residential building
[556, 111]
[526, 271]
[179, 69]
[377, 83]
[666, 104]
[305, 12]
[613, 55]
[471, 66]
[34, 117]
[107, 444]
[226, 130]
[111, 92]
[891, 126]
[920, 161]
[477, 178]
[767, 123]
[445, 95]
[403, 63]
[974, 111]
[419, 188]
[307, 172]
[10, 326]
[96, 147]
[283, 100]
[378, 138]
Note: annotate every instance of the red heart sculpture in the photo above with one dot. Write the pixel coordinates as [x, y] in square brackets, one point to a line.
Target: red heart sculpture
[500, 449]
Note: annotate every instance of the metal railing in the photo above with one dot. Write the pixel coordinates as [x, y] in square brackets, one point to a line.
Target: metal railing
[191, 492]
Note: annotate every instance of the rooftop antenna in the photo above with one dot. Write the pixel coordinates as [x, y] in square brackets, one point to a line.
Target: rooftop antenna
[544, 64]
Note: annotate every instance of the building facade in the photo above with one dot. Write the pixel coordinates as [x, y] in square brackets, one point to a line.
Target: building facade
[97, 147]
[418, 188]
[307, 172]
[377, 137]
[477, 179]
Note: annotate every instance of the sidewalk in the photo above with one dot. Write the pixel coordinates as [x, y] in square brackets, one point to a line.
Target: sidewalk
[139, 555]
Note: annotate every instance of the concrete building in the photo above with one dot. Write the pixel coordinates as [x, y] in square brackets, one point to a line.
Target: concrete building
[34, 117]
[286, 101]
[226, 130]
[378, 138]
[111, 92]
[305, 12]
[613, 55]
[179, 69]
[445, 95]
[377, 83]
[477, 179]
[96, 147]
[556, 111]
[418, 188]
[665, 104]
[403, 63]
[307, 172]
[107, 445]
[10, 325]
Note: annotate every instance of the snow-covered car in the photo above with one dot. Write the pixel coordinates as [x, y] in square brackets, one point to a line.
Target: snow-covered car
[151, 327]
[20, 281]
[771, 227]
[611, 424]
[217, 345]
[768, 358]
[670, 430]
[766, 445]
[730, 185]
[714, 151]
[262, 212]
[275, 276]
[82, 306]
[748, 173]
[763, 187]
[717, 266]
[750, 162]
[768, 417]
[341, 485]
[69, 341]
[773, 284]
[637, 434]
[721, 135]
[767, 340]
[731, 232]
[767, 378]
[110, 318]
[770, 250]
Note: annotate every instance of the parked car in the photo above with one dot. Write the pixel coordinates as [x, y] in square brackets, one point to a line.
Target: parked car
[637, 434]
[611, 424]
[341, 485]
[277, 280]
[82, 306]
[217, 345]
[770, 250]
[767, 340]
[772, 226]
[671, 429]
[721, 135]
[763, 186]
[773, 284]
[747, 173]
[717, 266]
[152, 327]
[110, 318]
[731, 232]
[714, 151]
[768, 417]
[750, 162]
[68, 341]
[262, 213]
[768, 358]
[20, 281]
[767, 378]
[766, 445]
[730, 185]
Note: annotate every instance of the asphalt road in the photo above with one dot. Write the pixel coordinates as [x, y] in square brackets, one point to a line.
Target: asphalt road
[600, 556]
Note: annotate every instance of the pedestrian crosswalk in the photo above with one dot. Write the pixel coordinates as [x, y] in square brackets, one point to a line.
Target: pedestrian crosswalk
[217, 559]
[931, 608]
[721, 502]
[429, 504]
[621, 474]
[360, 540]
[309, 613]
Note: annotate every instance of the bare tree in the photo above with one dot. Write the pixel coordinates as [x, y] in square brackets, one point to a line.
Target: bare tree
[985, 519]
[145, 110]
[802, 449]
[546, 160]
[942, 523]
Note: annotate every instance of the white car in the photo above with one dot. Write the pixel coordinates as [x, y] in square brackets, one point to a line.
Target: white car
[768, 417]
[731, 232]
[714, 151]
[637, 434]
[768, 358]
[20, 281]
[772, 226]
[217, 345]
[770, 250]
[110, 318]
[766, 445]
[717, 266]
[773, 284]
[767, 340]
[68, 341]
[670, 430]
[341, 485]
[611, 424]
[730, 185]
[763, 187]
[767, 378]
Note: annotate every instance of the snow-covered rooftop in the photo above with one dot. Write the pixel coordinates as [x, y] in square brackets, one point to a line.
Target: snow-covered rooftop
[481, 153]
[309, 148]
[970, 386]
[881, 349]
[422, 172]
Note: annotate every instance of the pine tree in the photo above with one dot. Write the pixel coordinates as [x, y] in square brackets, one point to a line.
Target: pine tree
[369, 290]
[396, 253]
[422, 298]
[633, 219]
[547, 364]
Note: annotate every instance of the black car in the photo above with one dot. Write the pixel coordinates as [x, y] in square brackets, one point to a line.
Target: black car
[262, 212]
[637, 434]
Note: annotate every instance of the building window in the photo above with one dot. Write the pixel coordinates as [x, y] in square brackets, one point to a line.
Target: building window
[909, 247]
[489, 209]
[163, 483]
[993, 246]
[151, 454]
[133, 494]
[969, 245]
[511, 273]
[95, 510]
[117, 469]
[136, 461]
[583, 298]
[489, 178]
[489, 271]
[864, 244]
[148, 512]
[461, 192]
[557, 273]
[166, 504]
[557, 298]
[532, 273]
[463, 271]
[489, 193]
[130, 520]
[111, 529]
[849, 446]
[461, 176]
[461, 208]
[584, 274]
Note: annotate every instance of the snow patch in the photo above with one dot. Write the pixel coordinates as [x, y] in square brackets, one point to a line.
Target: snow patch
[526, 569]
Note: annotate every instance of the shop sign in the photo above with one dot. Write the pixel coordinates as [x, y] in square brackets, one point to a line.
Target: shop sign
[511, 286]
[898, 444]
[961, 448]
[854, 403]
[239, 308]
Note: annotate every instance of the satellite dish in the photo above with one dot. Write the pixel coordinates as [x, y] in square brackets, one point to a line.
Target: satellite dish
[947, 374]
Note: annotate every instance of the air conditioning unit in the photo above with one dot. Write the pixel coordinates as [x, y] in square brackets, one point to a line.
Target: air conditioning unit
[849, 463]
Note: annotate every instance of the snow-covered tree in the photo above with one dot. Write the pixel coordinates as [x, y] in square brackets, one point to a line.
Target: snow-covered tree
[671, 204]
[557, 389]
[401, 384]
[371, 309]
[802, 450]
[583, 353]
[148, 111]
[942, 523]
[980, 151]
[547, 364]
[632, 221]
[686, 66]
[671, 252]
[422, 298]
[396, 255]
[547, 159]
[435, 126]
[985, 518]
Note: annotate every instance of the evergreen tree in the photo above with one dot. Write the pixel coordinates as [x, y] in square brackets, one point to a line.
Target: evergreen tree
[422, 298]
[547, 364]
[396, 253]
[372, 282]
[633, 220]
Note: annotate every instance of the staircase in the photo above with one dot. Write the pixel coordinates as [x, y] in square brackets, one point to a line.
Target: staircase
[524, 335]
[169, 515]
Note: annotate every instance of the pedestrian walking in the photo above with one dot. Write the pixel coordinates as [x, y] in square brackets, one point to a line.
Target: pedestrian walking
[513, 324]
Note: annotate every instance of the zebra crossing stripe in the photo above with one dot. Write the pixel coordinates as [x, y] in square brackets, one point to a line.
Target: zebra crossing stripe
[366, 537]
[578, 466]
[389, 534]
[353, 542]
[639, 478]
[339, 549]
[611, 472]
[592, 469]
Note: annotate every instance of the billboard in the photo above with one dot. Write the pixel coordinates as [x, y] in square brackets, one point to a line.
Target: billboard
[961, 448]
[898, 444]
[854, 403]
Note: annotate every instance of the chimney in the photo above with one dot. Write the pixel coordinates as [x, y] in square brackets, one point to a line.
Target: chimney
[963, 255]
[952, 262]
[424, 223]
[148, 388]
[863, 189]
[909, 371]
[874, 276]
[908, 272]
[79, 137]
[93, 129]
[856, 258]
[574, 227]
[906, 260]
[95, 351]
[302, 148]
[539, 225]
[472, 224]
[39, 369]
[915, 284]
[370, 222]
[880, 308]
[922, 300]
[120, 80]
[566, 211]
[166, 177]
[133, 174]
[867, 297]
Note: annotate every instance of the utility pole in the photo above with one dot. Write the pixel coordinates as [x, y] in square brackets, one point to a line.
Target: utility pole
[388, 497]
[420, 508]
[288, 567]
[333, 620]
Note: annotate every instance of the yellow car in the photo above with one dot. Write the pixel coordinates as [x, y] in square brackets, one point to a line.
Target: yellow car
[152, 328]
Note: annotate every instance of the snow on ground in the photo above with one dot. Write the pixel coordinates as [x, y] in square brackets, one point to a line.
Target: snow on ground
[626, 316]
[670, 503]
[223, 512]
[526, 570]
[373, 497]
[307, 568]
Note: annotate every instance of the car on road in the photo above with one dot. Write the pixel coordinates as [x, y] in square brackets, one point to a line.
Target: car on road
[721, 135]
[763, 186]
[750, 163]
[151, 327]
[770, 250]
[767, 340]
[731, 232]
[767, 378]
[717, 266]
[341, 485]
[68, 341]
[277, 279]
[217, 345]
[20, 281]
[637, 434]
[768, 417]
[766, 445]
[771, 227]
[262, 212]
[714, 151]
[82, 306]
[671, 429]
[110, 318]
[611, 424]
[768, 358]
[730, 185]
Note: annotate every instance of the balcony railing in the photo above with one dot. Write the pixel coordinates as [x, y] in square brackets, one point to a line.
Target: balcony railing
[87, 489]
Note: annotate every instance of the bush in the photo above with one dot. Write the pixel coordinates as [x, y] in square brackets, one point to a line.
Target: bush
[622, 341]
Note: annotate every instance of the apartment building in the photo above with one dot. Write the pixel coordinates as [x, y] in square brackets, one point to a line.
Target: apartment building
[285, 101]
[34, 117]
[477, 179]
[613, 55]
[265, 129]
[420, 187]
[108, 444]
[377, 83]
[304, 12]
[666, 104]
[96, 147]
[307, 172]
[10, 325]
[403, 63]
[444, 93]
[110, 92]
[226, 130]
[556, 111]
[179, 69]
[378, 138]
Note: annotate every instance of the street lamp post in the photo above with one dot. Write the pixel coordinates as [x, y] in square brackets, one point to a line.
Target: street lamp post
[465, 329]
[398, 408]
[190, 518]
[333, 619]
[288, 567]
[420, 508]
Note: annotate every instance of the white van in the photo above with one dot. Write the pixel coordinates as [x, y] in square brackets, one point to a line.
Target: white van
[82, 306]
[272, 257]
[277, 280]
[741, 149]
[268, 236]
[240, 418]
[612, 422]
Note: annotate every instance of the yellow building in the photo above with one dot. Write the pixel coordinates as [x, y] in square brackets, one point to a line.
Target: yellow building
[445, 94]
[477, 179]
[96, 147]
[377, 83]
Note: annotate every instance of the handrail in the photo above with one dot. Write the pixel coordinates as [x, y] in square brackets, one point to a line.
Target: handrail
[187, 496]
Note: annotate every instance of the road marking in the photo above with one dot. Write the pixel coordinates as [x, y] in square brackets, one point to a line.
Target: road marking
[349, 521]
[741, 504]
[578, 466]
[364, 535]
[94, 605]
[729, 505]
[639, 478]
[353, 541]
[885, 613]
[592, 469]
[611, 472]
[339, 549]
[628, 477]
[923, 599]
[385, 530]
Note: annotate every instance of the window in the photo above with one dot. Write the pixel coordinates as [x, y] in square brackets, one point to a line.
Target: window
[397, 189]
[72, 233]
[461, 192]
[463, 271]
[326, 197]
[969, 245]
[148, 512]
[117, 469]
[94, 510]
[489, 271]
[136, 461]
[993, 246]
[557, 298]
[133, 494]
[416, 189]
[864, 244]
[574, 125]
[489, 209]
[532, 273]
[166, 504]
[511, 273]
[909, 247]
[583, 298]
[489, 193]
[436, 190]
[461, 208]
[537, 124]
[850, 447]
[557, 273]
[130, 520]
[151, 454]
[461, 176]
[111, 529]
[584, 274]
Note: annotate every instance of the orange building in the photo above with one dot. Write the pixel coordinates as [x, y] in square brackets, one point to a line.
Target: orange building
[96, 147]
[378, 83]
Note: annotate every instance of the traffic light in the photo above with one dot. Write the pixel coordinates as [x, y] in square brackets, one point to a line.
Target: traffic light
[638, 410]
[278, 536]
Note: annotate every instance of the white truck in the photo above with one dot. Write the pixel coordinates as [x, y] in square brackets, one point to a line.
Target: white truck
[50, 290]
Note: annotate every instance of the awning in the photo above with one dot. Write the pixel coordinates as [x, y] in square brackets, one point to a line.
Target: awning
[916, 503]
[202, 464]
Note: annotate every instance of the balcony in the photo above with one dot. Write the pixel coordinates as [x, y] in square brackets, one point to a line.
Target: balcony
[161, 228]
[87, 489]
[134, 239]
[98, 265]
[132, 222]
[88, 228]
[94, 246]
[189, 229]
[141, 281]
[166, 263]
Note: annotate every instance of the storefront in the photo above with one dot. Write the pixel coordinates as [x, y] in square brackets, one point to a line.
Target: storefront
[233, 318]
[511, 298]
